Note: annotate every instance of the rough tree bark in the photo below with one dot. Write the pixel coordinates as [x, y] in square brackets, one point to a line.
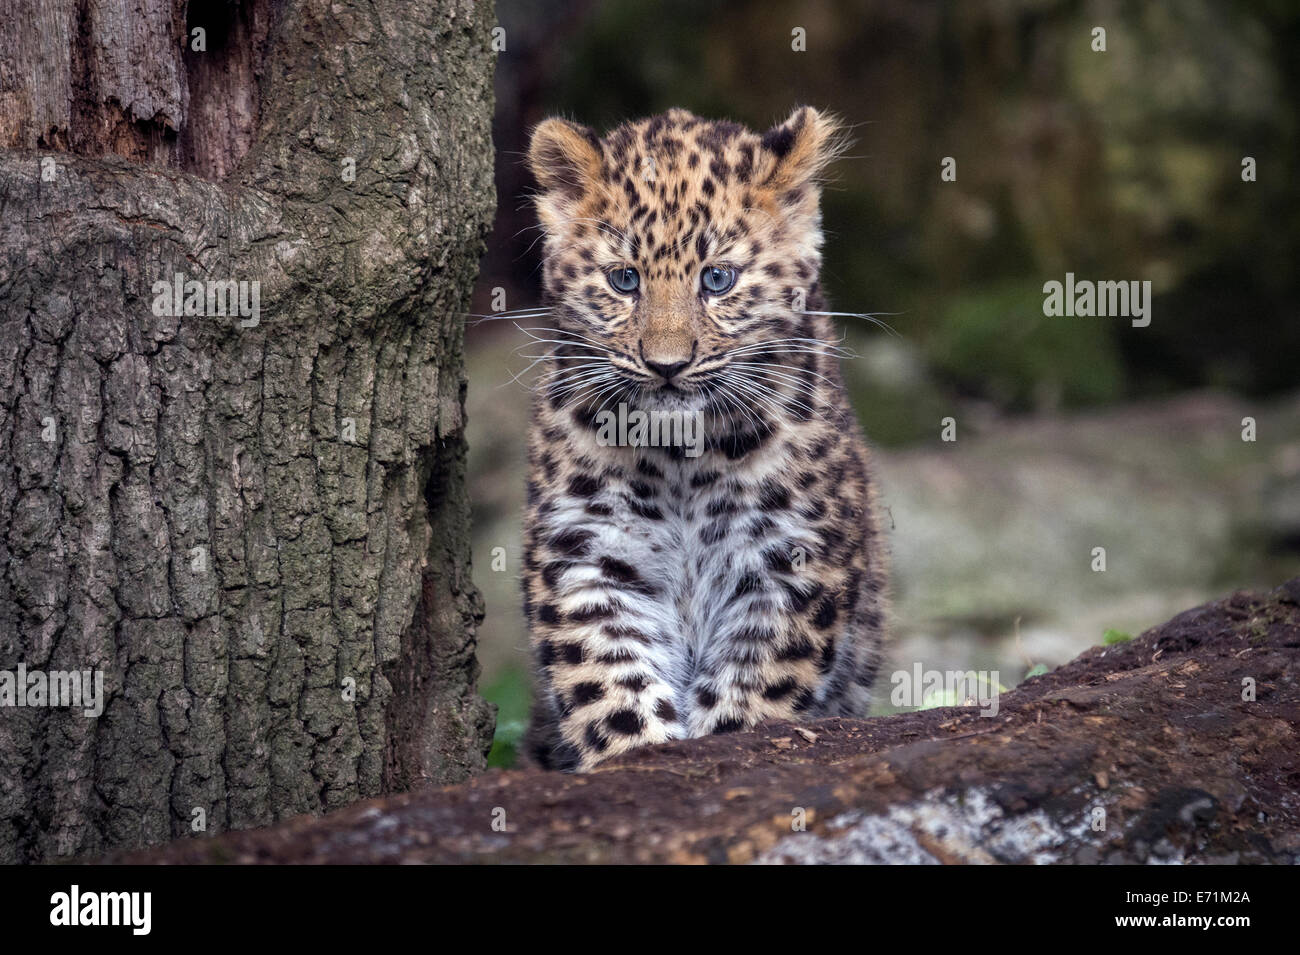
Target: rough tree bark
[236, 521]
[1182, 745]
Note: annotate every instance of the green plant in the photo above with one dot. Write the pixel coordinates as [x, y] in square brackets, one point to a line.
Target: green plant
[511, 692]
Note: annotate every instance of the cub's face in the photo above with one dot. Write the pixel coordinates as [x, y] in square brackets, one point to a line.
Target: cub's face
[681, 255]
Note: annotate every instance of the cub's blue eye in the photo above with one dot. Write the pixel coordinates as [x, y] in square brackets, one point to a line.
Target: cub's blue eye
[716, 279]
[624, 281]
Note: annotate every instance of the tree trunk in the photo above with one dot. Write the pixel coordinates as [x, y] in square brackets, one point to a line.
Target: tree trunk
[1182, 745]
[255, 525]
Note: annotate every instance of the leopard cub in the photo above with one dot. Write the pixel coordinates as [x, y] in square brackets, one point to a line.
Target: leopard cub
[674, 590]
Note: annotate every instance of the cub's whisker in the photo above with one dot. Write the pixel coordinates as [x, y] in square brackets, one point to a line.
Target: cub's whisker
[869, 316]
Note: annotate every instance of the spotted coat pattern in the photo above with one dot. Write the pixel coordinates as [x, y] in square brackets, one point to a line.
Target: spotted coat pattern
[671, 594]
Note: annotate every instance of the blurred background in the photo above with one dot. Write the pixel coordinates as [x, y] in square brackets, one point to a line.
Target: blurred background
[1072, 433]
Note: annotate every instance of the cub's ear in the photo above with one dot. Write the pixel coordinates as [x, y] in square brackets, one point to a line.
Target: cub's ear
[565, 157]
[801, 148]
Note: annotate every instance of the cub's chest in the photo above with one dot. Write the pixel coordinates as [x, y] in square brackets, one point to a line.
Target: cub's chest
[699, 543]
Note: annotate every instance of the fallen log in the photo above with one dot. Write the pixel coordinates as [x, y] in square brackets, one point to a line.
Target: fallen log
[1181, 745]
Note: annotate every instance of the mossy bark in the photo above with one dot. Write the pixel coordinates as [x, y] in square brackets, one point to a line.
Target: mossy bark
[257, 531]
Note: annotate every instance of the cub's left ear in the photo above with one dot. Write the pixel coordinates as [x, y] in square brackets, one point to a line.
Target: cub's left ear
[802, 147]
[565, 157]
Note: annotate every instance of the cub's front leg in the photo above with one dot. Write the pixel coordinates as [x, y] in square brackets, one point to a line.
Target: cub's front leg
[765, 658]
[600, 637]
[770, 623]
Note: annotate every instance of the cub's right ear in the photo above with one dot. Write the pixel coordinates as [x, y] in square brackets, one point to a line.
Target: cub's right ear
[565, 157]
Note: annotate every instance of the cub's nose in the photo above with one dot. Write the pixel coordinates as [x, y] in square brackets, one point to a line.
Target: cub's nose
[666, 371]
[665, 362]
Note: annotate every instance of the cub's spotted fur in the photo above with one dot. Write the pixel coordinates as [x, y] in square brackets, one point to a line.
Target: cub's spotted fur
[671, 595]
